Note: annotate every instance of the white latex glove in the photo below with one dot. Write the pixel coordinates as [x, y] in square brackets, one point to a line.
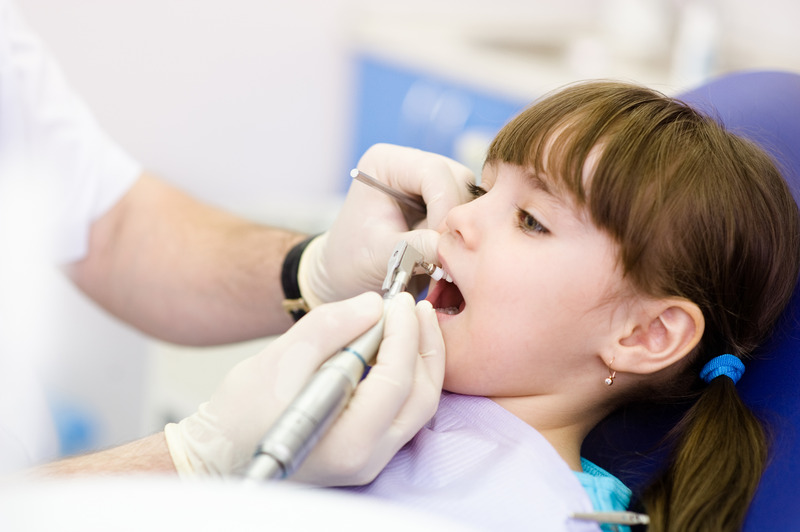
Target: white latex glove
[351, 258]
[399, 395]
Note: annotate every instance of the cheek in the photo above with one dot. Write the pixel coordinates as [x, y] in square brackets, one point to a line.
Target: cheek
[510, 338]
[466, 371]
[481, 350]
[488, 367]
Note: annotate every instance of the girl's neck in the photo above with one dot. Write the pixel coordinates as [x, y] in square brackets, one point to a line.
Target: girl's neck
[562, 425]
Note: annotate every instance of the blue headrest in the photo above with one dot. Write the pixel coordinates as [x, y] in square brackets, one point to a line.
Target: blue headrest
[764, 107]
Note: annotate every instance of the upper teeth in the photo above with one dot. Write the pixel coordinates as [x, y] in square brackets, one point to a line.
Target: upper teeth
[439, 273]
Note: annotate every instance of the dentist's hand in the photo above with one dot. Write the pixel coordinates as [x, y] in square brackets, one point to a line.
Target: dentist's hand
[351, 258]
[397, 398]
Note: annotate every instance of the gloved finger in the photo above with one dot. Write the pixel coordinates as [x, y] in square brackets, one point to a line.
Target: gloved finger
[431, 343]
[321, 332]
[276, 374]
[443, 193]
[382, 394]
[429, 373]
[439, 180]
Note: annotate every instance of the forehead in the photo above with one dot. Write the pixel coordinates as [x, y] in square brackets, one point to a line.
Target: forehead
[547, 186]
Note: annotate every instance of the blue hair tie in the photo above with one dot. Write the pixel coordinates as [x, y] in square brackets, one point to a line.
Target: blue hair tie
[727, 365]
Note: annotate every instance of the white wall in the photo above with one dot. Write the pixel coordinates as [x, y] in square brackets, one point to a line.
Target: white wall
[241, 102]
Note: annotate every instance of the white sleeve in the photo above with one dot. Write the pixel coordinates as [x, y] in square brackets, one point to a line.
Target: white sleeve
[52, 151]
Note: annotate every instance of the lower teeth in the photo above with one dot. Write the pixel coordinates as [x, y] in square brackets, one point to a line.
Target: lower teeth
[448, 310]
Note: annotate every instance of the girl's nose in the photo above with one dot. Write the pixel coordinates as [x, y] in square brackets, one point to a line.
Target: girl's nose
[462, 222]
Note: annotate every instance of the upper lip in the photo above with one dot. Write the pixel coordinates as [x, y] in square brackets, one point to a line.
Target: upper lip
[445, 267]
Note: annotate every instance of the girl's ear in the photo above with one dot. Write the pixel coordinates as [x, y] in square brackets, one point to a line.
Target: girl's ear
[658, 334]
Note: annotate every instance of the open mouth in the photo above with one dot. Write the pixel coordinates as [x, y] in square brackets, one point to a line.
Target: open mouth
[446, 298]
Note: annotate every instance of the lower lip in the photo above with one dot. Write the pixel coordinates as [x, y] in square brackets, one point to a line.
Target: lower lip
[443, 314]
[443, 317]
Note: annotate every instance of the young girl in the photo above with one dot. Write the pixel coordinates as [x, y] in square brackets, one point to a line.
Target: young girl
[620, 248]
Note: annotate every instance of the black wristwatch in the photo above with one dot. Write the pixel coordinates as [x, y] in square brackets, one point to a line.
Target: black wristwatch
[293, 302]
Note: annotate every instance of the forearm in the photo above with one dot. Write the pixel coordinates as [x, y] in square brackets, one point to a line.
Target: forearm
[184, 271]
[148, 455]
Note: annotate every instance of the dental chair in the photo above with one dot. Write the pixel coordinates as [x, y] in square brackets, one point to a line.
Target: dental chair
[764, 107]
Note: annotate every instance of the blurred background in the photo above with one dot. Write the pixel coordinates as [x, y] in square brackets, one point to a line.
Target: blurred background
[263, 107]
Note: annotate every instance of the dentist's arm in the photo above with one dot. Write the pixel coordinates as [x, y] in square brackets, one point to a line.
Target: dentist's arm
[184, 271]
[147, 455]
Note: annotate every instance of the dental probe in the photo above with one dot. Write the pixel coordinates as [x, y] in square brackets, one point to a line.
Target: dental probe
[614, 518]
[410, 201]
[319, 403]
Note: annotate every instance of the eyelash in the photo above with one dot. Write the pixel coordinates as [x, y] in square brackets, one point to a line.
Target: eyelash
[529, 224]
[525, 220]
[476, 191]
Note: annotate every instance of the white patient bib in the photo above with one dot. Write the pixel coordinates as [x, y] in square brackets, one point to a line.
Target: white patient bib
[478, 463]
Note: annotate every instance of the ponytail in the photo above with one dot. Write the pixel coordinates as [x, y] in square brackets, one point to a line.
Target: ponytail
[719, 455]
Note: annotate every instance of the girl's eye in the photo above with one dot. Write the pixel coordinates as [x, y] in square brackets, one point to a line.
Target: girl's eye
[475, 190]
[529, 224]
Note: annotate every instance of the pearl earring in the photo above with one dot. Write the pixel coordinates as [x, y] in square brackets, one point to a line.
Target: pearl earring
[610, 379]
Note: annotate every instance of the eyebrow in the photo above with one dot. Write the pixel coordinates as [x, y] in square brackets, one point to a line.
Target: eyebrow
[544, 186]
[558, 195]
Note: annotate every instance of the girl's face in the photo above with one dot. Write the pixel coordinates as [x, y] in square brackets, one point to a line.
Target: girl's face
[535, 279]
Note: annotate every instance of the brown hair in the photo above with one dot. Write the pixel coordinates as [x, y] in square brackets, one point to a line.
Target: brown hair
[701, 214]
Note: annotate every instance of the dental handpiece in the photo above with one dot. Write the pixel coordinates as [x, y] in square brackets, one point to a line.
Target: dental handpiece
[292, 437]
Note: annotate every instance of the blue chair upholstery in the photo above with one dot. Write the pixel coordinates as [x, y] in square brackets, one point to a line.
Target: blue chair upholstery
[764, 107]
